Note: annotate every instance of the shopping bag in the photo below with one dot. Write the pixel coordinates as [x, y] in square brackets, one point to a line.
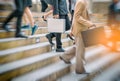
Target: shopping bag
[94, 36]
[56, 25]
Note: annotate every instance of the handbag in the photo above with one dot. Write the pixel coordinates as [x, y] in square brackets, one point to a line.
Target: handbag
[94, 36]
[56, 25]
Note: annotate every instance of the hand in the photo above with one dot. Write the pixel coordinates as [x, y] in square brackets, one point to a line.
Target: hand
[91, 27]
[56, 16]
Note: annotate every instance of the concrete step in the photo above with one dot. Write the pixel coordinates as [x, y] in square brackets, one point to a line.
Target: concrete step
[110, 74]
[28, 64]
[93, 68]
[13, 69]
[8, 43]
[38, 61]
[54, 73]
[7, 12]
[28, 51]
[4, 34]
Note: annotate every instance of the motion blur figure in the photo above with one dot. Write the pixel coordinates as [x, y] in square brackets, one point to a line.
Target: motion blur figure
[114, 23]
[18, 13]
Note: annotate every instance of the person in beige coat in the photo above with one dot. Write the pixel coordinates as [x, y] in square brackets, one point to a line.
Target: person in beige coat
[80, 22]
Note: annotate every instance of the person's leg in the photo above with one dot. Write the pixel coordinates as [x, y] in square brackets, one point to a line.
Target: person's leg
[30, 17]
[58, 43]
[80, 54]
[26, 21]
[68, 55]
[68, 24]
[44, 5]
[19, 13]
[49, 37]
[11, 16]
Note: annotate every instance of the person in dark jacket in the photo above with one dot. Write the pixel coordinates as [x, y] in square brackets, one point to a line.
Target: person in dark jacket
[18, 13]
[59, 11]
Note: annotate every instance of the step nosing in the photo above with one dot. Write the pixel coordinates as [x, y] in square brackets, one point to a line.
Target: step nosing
[25, 62]
[25, 48]
[15, 39]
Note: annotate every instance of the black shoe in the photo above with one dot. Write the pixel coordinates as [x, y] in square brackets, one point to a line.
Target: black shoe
[44, 18]
[6, 28]
[21, 36]
[67, 62]
[82, 73]
[70, 37]
[49, 39]
[60, 50]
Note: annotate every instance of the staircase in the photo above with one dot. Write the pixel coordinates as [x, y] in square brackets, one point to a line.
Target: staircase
[33, 59]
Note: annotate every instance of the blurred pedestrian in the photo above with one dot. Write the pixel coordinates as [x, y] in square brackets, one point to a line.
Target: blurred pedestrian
[18, 13]
[114, 23]
[80, 22]
[28, 17]
[59, 12]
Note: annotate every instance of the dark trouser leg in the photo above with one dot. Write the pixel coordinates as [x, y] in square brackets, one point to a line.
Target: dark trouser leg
[67, 21]
[11, 16]
[70, 6]
[19, 13]
[72, 13]
[58, 40]
[49, 37]
[44, 6]
[68, 24]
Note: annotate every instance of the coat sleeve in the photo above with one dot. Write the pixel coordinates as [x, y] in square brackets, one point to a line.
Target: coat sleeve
[55, 7]
[79, 10]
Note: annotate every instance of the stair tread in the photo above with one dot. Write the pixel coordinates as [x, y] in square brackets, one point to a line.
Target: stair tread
[22, 29]
[29, 60]
[28, 47]
[26, 61]
[109, 73]
[41, 73]
[90, 68]
[14, 39]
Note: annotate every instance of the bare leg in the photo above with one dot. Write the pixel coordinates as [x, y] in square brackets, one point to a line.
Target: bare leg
[30, 16]
[26, 21]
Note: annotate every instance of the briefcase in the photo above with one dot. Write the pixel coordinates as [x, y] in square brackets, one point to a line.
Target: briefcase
[56, 25]
[94, 36]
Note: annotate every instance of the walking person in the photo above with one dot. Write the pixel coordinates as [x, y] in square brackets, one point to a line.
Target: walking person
[59, 12]
[114, 23]
[28, 17]
[80, 22]
[18, 13]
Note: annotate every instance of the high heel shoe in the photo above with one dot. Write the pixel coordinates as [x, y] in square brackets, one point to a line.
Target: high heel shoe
[44, 18]
[68, 35]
